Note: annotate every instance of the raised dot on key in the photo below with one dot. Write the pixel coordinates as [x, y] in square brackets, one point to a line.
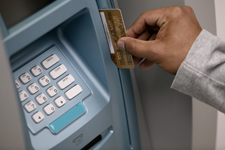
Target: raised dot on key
[33, 88]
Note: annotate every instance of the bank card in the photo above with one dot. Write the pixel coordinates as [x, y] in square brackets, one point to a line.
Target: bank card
[114, 29]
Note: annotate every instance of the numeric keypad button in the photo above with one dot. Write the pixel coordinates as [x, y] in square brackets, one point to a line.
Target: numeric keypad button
[52, 91]
[60, 101]
[36, 70]
[25, 78]
[23, 95]
[49, 109]
[33, 88]
[17, 84]
[41, 98]
[44, 81]
[30, 106]
[38, 117]
[50, 61]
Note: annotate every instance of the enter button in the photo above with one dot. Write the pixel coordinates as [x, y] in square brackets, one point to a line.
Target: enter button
[67, 118]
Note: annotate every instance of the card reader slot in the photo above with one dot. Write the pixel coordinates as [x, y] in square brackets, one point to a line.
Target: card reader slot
[99, 140]
[92, 143]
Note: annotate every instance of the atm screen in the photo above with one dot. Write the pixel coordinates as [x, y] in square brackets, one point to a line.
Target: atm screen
[14, 11]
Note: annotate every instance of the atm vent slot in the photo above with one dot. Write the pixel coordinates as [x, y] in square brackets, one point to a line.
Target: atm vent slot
[92, 143]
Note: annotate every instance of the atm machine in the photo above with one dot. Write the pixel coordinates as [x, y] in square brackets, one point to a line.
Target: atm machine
[61, 89]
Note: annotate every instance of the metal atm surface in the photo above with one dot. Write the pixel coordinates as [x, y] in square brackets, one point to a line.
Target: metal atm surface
[72, 29]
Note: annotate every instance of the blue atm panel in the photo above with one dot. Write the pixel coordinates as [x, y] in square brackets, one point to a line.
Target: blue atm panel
[71, 93]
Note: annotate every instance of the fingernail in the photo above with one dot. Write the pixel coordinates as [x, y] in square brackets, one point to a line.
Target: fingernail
[121, 46]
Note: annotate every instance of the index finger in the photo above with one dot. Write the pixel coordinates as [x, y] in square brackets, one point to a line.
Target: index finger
[152, 18]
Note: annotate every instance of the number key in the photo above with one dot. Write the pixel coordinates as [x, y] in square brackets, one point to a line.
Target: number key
[30, 106]
[36, 70]
[52, 91]
[44, 81]
[33, 88]
[23, 95]
[25, 78]
[17, 84]
[49, 109]
[41, 98]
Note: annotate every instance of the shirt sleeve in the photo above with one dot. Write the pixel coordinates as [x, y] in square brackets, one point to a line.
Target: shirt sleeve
[202, 73]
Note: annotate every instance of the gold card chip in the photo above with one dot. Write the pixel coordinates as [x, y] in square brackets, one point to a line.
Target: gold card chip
[114, 29]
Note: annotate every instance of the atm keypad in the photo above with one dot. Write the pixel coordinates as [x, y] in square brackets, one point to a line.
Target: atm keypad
[52, 91]
[45, 89]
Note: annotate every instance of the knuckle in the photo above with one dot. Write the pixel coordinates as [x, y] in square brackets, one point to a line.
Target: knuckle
[143, 14]
[188, 8]
[178, 11]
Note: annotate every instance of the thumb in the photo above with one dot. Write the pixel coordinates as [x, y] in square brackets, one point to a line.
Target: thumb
[135, 47]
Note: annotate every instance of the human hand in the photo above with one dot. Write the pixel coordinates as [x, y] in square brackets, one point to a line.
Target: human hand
[162, 36]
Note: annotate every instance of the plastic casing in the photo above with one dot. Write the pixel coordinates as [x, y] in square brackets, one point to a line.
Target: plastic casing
[75, 27]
